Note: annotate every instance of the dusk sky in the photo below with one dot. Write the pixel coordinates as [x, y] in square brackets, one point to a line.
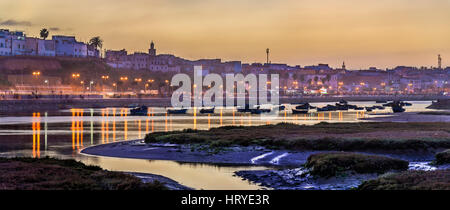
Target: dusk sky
[363, 33]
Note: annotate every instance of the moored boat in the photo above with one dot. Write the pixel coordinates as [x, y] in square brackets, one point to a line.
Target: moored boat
[176, 111]
[207, 111]
[299, 111]
[139, 111]
[397, 109]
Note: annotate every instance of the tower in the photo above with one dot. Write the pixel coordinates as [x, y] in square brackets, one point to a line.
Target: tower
[439, 62]
[267, 52]
[152, 50]
[343, 65]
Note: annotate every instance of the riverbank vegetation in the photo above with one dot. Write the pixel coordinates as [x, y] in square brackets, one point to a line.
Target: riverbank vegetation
[410, 180]
[322, 136]
[335, 163]
[54, 174]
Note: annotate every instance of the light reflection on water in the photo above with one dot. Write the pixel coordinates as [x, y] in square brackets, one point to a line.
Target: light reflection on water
[67, 132]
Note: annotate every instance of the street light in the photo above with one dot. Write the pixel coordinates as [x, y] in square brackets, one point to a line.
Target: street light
[75, 75]
[90, 85]
[82, 83]
[115, 85]
[46, 82]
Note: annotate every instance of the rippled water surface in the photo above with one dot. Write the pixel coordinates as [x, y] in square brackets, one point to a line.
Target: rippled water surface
[63, 134]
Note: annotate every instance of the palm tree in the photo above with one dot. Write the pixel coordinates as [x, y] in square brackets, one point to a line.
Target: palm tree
[97, 42]
[44, 33]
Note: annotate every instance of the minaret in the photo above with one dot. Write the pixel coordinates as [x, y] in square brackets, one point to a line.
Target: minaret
[439, 62]
[343, 65]
[152, 50]
[267, 52]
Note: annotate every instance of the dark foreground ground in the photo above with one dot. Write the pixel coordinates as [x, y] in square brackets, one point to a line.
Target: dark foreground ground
[54, 174]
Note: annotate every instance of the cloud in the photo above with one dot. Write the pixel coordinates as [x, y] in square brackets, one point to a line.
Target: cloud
[11, 22]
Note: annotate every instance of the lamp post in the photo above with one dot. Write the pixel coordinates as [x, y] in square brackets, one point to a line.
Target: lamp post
[115, 85]
[75, 75]
[90, 86]
[36, 73]
[46, 82]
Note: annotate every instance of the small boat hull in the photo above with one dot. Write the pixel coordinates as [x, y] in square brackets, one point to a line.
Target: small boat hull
[207, 111]
[296, 111]
[139, 111]
[176, 111]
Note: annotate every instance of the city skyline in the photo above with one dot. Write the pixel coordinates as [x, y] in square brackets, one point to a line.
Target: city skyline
[383, 34]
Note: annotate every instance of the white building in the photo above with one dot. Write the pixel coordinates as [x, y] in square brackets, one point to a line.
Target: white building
[13, 42]
[142, 61]
[64, 45]
[5, 47]
[79, 50]
[46, 47]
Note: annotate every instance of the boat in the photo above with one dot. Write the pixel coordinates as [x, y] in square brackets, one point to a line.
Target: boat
[326, 108]
[133, 106]
[369, 109]
[281, 107]
[207, 111]
[352, 106]
[176, 111]
[378, 107]
[359, 108]
[341, 107]
[139, 111]
[299, 111]
[258, 110]
[305, 106]
[245, 109]
[331, 108]
[380, 102]
[406, 104]
[255, 111]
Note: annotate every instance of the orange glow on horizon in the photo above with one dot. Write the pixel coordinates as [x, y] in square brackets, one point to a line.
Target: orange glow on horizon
[363, 33]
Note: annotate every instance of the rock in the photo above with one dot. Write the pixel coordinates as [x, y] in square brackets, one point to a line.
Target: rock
[443, 157]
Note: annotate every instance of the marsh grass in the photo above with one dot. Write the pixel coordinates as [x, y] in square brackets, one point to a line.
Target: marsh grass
[54, 174]
[410, 180]
[337, 163]
[322, 136]
[443, 157]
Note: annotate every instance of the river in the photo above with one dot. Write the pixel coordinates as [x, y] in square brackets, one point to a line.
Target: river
[62, 134]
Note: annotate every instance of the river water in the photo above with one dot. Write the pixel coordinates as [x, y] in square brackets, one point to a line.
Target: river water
[64, 133]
